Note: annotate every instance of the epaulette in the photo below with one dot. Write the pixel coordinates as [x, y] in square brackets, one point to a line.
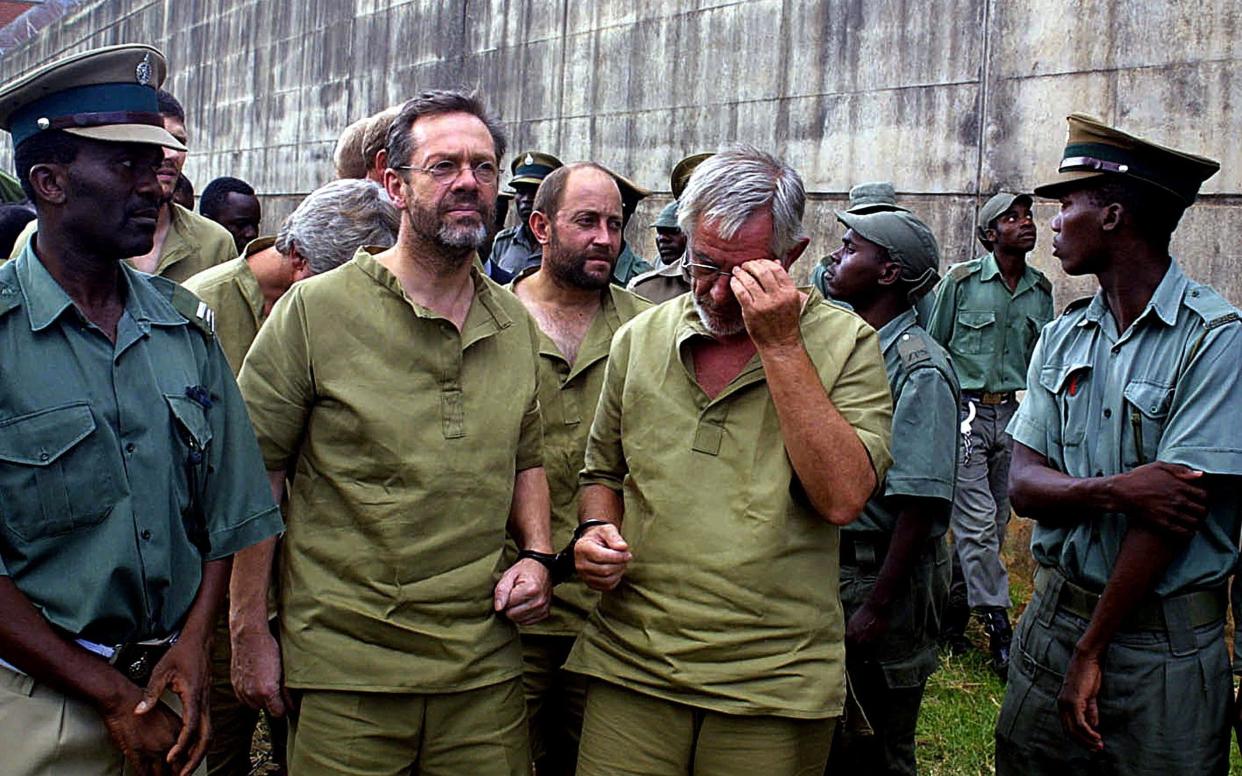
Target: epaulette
[912, 350]
[1043, 282]
[1210, 306]
[1082, 301]
[963, 270]
[192, 308]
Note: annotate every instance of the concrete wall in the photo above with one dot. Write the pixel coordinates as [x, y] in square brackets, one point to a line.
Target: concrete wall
[950, 99]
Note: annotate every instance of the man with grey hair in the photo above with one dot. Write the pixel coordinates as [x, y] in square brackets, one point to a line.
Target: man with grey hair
[739, 426]
[377, 386]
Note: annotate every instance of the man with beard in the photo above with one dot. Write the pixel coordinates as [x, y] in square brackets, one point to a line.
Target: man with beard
[185, 242]
[894, 561]
[577, 221]
[988, 314]
[738, 427]
[401, 393]
[1127, 456]
[128, 470]
[514, 250]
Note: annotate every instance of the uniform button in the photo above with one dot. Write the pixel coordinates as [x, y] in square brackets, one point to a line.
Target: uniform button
[129, 448]
[43, 456]
[1099, 474]
[1108, 413]
[146, 535]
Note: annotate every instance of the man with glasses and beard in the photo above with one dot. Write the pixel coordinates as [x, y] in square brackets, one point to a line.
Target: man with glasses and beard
[401, 393]
[577, 221]
[739, 425]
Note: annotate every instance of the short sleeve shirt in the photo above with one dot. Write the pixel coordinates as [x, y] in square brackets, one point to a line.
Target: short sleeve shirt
[925, 424]
[1102, 402]
[662, 284]
[232, 292]
[515, 250]
[403, 437]
[731, 601]
[988, 331]
[122, 466]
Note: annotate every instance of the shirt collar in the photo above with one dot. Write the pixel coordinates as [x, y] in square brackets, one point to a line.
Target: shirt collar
[1165, 301]
[890, 331]
[691, 325]
[484, 299]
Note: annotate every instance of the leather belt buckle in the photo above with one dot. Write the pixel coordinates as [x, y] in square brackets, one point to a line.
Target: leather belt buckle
[995, 398]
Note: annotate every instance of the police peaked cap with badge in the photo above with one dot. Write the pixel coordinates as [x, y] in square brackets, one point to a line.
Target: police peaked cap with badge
[531, 167]
[1096, 150]
[104, 94]
[907, 239]
[873, 197]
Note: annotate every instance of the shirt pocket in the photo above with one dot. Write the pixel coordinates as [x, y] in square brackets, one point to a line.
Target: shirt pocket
[192, 436]
[974, 330]
[1069, 383]
[1147, 411]
[58, 472]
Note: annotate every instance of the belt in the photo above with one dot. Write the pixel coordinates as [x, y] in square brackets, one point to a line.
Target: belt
[984, 397]
[1195, 609]
[859, 549]
[136, 660]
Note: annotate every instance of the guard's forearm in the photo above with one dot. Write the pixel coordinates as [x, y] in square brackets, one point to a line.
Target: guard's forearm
[248, 588]
[1141, 561]
[600, 502]
[200, 620]
[530, 515]
[28, 642]
[909, 540]
[830, 460]
[1054, 498]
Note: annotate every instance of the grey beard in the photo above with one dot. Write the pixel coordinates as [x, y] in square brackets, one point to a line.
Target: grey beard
[737, 327]
[461, 238]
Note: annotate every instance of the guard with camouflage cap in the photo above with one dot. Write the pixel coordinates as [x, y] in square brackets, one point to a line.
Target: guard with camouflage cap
[128, 469]
[1128, 458]
[988, 313]
[514, 250]
[870, 197]
[671, 279]
[894, 560]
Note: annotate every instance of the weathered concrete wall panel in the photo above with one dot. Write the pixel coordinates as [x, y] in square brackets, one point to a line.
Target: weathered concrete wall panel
[950, 99]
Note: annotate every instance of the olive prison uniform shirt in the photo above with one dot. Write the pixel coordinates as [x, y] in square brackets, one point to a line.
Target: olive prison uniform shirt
[1101, 402]
[568, 395]
[404, 437]
[988, 331]
[925, 425]
[193, 244]
[232, 292]
[101, 446]
[731, 600]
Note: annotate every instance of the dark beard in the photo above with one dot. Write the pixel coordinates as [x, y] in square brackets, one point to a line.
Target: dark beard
[571, 271]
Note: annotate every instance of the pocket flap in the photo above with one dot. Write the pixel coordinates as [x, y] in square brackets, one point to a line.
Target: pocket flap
[39, 438]
[191, 417]
[1054, 377]
[1151, 399]
[976, 319]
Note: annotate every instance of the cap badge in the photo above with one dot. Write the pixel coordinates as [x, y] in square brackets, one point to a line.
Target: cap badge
[143, 71]
[43, 122]
[528, 160]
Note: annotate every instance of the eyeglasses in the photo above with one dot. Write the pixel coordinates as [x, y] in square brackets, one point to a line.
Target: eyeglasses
[704, 271]
[446, 171]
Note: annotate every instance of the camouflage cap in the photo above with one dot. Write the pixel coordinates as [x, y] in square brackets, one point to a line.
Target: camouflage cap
[907, 239]
[531, 167]
[667, 218]
[683, 170]
[1094, 149]
[873, 197]
[103, 94]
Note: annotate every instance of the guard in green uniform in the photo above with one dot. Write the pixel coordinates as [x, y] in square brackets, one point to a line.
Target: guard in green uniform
[514, 250]
[320, 235]
[401, 392]
[871, 197]
[894, 560]
[577, 220]
[128, 470]
[738, 427]
[1128, 458]
[988, 314]
[671, 279]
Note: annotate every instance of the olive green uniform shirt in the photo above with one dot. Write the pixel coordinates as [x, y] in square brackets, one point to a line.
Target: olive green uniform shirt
[629, 265]
[925, 424]
[193, 244]
[404, 437]
[988, 331]
[1101, 402]
[730, 602]
[232, 292]
[661, 284]
[568, 395]
[103, 447]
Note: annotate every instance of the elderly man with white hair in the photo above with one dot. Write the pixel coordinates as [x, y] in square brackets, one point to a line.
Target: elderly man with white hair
[739, 426]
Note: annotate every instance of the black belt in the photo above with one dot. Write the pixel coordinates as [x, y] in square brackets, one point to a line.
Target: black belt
[863, 549]
[985, 397]
[137, 659]
[1194, 609]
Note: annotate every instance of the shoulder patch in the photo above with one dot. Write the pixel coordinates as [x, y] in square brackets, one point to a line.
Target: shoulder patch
[186, 303]
[962, 271]
[1210, 306]
[912, 350]
[1077, 304]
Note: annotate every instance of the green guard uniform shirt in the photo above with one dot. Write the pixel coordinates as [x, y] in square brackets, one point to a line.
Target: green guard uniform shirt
[567, 398]
[1102, 402]
[730, 602]
[100, 446]
[232, 292]
[925, 424]
[629, 266]
[403, 436]
[988, 331]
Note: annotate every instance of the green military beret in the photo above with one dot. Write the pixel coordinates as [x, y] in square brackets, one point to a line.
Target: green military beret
[532, 167]
[103, 94]
[667, 218]
[907, 239]
[1096, 150]
[998, 204]
[873, 197]
[682, 172]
